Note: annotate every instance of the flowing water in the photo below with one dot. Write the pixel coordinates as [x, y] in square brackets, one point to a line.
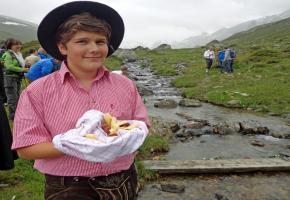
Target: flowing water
[231, 187]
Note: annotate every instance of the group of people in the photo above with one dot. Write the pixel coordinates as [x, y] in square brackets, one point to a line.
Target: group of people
[15, 69]
[80, 34]
[224, 58]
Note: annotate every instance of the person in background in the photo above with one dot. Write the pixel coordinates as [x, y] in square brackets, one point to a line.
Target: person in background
[82, 34]
[42, 53]
[14, 66]
[233, 56]
[32, 58]
[209, 58]
[7, 156]
[2, 91]
[42, 68]
[227, 60]
[220, 58]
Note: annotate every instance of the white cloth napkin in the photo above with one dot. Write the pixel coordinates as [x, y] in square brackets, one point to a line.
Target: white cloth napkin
[103, 148]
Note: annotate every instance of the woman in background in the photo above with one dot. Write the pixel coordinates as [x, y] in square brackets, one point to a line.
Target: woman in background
[14, 67]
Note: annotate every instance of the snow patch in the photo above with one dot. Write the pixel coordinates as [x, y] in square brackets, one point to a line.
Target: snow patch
[13, 23]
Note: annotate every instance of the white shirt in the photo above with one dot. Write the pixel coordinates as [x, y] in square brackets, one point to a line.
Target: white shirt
[208, 54]
[19, 57]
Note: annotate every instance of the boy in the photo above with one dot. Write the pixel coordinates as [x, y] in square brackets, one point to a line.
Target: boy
[82, 34]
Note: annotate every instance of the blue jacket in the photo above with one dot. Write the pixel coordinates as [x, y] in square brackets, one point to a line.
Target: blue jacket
[41, 68]
[43, 56]
[221, 55]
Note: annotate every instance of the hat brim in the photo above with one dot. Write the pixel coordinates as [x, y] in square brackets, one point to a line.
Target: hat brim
[50, 23]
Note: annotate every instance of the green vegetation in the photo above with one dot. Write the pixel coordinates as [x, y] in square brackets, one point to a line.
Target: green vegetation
[113, 63]
[261, 80]
[23, 182]
[153, 145]
[26, 183]
[29, 45]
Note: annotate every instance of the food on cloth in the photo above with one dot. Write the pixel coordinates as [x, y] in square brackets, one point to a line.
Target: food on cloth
[111, 126]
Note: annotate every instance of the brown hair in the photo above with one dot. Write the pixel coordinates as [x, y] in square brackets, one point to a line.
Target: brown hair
[82, 22]
[10, 42]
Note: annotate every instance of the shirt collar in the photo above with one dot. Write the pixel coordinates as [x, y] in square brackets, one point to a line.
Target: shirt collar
[65, 73]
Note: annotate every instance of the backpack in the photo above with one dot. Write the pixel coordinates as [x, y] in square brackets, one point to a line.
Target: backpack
[233, 54]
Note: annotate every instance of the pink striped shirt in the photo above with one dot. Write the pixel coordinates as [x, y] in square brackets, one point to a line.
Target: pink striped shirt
[52, 105]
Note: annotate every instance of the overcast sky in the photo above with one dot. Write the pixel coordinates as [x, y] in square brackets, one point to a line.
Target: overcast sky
[151, 21]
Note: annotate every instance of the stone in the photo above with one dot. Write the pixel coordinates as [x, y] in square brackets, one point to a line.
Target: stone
[172, 188]
[194, 124]
[233, 103]
[166, 103]
[257, 143]
[189, 103]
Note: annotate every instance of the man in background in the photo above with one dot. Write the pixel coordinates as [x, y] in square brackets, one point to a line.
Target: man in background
[209, 57]
[32, 58]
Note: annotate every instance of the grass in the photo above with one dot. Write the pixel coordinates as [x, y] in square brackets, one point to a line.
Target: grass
[262, 74]
[26, 183]
[23, 182]
[262, 69]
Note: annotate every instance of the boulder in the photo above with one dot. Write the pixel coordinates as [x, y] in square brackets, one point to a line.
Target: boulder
[190, 103]
[126, 55]
[166, 103]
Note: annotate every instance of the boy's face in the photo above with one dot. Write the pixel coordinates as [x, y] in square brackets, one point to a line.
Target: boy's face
[85, 51]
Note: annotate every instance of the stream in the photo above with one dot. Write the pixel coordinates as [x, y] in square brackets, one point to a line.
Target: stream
[222, 187]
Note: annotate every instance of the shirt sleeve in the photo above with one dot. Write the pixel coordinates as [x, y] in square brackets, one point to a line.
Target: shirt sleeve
[29, 127]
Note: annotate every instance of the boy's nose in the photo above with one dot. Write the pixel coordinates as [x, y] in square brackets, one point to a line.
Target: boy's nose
[94, 46]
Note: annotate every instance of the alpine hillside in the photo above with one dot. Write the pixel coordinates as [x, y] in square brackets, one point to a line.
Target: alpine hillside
[22, 30]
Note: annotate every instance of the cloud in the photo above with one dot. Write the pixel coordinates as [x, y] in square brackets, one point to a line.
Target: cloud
[148, 21]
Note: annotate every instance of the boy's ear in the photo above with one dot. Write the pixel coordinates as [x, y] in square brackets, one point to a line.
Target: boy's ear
[62, 48]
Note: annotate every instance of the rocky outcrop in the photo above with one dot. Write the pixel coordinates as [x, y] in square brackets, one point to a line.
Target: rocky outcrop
[162, 47]
[126, 55]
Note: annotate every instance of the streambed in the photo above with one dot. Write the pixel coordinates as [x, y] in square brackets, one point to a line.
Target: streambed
[233, 146]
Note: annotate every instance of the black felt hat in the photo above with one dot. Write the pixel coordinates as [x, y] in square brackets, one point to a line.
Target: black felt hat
[50, 23]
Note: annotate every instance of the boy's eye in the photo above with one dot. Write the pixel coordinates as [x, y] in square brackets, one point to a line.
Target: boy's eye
[101, 42]
[81, 41]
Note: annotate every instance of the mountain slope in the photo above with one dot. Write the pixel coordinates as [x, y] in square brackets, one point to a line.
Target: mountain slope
[224, 33]
[16, 28]
[273, 34]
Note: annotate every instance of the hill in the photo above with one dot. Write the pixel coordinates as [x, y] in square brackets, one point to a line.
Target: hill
[274, 34]
[261, 78]
[16, 28]
[224, 33]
